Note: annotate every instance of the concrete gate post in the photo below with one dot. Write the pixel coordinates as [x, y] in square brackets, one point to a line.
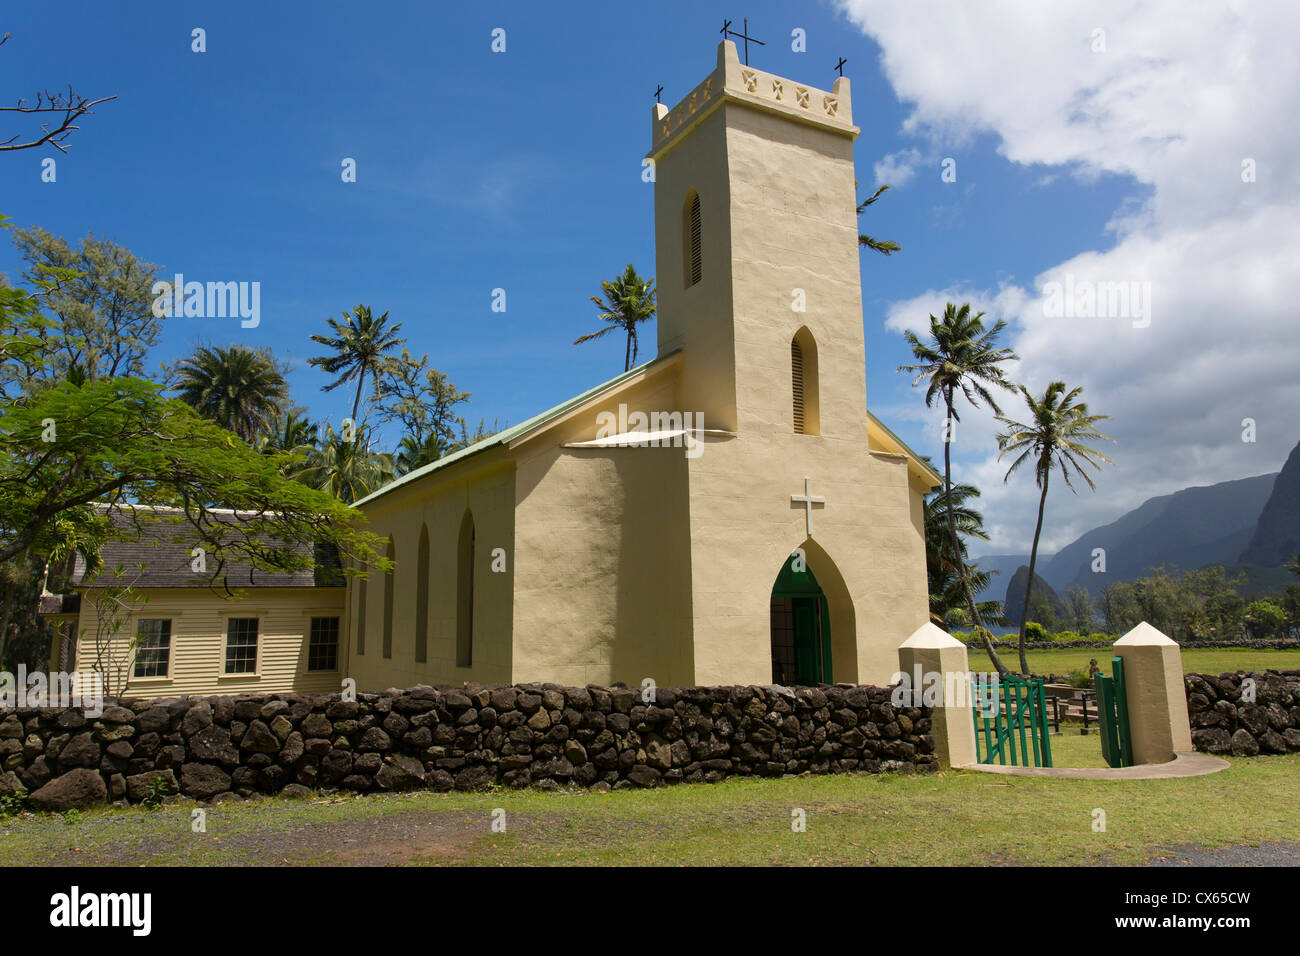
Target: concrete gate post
[1157, 702]
[932, 651]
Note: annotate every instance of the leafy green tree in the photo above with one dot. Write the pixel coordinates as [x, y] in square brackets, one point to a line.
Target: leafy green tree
[1119, 610]
[884, 246]
[1217, 602]
[1290, 603]
[1054, 440]
[1083, 617]
[960, 356]
[70, 450]
[423, 401]
[1264, 619]
[239, 388]
[1041, 612]
[626, 302]
[103, 306]
[24, 635]
[360, 346]
[346, 469]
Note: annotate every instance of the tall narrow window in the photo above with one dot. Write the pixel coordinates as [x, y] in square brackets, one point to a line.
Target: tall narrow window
[422, 599]
[388, 603]
[806, 410]
[361, 616]
[796, 378]
[692, 240]
[465, 593]
[323, 644]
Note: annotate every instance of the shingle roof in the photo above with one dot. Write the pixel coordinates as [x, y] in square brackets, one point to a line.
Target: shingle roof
[165, 554]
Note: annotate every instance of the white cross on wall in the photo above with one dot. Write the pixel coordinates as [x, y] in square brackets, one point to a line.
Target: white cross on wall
[807, 500]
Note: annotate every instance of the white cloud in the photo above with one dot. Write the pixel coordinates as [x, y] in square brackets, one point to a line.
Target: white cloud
[1182, 95]
[897, 168]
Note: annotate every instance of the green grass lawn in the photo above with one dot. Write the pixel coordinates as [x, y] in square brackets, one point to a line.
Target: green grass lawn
[1209, 660]
[953, 818]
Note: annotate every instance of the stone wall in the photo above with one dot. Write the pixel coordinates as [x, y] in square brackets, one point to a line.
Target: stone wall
[466, 738]
[1223, 724]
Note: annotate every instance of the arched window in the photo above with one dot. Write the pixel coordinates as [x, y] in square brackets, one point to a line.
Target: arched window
[388, 602]
[803, 384]
[692, 240]
[465, 593]
[361, 616]
[422, 599]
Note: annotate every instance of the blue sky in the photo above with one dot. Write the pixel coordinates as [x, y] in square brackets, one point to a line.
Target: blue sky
[521, 170]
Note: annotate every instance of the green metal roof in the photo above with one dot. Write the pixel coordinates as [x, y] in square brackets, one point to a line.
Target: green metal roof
[515, 431]
[903, 445]
[511, 433]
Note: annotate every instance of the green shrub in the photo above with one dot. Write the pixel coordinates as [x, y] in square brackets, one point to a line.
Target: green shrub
[1036, 632]
[12, 804]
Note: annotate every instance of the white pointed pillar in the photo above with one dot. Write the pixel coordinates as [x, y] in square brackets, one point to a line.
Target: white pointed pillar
[1157, 702]
[932, 651]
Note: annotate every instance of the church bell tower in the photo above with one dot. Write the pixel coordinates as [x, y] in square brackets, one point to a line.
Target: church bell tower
[756, 241]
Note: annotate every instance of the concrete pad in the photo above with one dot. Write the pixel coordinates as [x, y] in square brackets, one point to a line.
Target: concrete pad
[1188, 764]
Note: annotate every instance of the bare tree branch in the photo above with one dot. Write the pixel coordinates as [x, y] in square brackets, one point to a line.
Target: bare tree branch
[64, 109]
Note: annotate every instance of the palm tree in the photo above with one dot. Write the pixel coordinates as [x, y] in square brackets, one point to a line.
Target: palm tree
[361, 344]
[413, 453]
[947, 591]
[960, 356]
[880, 245]
[1054, 437]
[346, 469]
[629, 299]
[288, 431]
[239, 388]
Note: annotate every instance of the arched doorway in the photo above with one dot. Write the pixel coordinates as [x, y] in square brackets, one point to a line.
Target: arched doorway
[801, 627]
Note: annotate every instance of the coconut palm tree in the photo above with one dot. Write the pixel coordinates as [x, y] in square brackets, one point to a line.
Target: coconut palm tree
[961, 356]
[885, 246]
[361, 344]
[346, 469]
[1054, 439]
[628, 300]
[947, 585]
[290, 430]
[239, 388]
[413, 453]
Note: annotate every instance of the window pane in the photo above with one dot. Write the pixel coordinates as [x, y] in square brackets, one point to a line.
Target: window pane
[241, 645]
[323, 646]
[153, 645]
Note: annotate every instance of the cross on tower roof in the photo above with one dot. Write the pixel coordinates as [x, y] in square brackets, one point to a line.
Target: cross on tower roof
[742, 35]
[840, 65]
[658, 91]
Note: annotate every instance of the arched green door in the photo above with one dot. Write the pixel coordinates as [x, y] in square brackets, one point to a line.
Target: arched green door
[801, 639]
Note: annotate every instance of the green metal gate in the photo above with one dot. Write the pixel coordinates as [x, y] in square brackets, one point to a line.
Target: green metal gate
[1112, 707]
[1007, 710]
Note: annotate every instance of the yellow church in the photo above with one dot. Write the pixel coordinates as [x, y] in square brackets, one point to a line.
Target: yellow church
[727, 513]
